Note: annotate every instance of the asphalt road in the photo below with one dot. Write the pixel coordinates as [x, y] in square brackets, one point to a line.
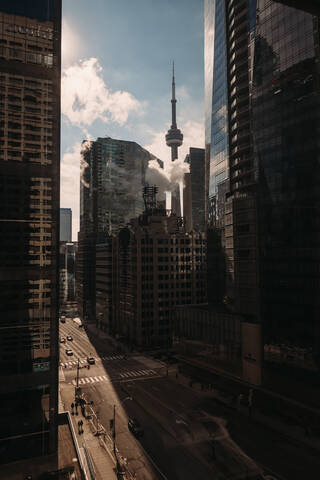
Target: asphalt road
[187, 435]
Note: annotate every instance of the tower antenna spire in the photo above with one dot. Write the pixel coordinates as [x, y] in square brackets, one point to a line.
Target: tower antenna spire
[174, 136]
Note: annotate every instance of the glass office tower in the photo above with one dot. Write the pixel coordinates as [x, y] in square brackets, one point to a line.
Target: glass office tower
[30, 40]
[268, 232]
[65, 225]
[112, 176]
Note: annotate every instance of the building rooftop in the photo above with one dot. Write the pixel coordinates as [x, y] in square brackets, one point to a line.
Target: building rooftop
[63, 464]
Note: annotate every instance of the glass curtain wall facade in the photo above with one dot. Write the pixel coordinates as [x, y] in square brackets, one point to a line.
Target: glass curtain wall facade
[112, 176]
[30, 44]
[217, 131]
[65, 225]
[286, 129]
[268, 239]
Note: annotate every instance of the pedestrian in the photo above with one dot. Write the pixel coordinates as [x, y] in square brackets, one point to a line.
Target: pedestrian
[79, 427]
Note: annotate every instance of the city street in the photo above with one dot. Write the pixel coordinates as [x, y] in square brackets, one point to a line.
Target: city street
[187, 434]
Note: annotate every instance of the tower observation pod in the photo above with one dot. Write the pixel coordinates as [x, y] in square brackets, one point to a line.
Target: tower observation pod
[174, 136]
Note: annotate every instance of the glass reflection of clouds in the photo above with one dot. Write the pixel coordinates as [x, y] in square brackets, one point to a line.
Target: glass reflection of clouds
[216, 85]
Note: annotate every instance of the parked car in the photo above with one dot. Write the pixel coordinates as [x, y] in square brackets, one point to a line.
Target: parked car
[62, 340]
[135, 427]
[69, 352]
[63, 319]
[91, 360]
[69, 338]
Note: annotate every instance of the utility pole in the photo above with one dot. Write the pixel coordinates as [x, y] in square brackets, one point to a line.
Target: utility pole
[77, 380]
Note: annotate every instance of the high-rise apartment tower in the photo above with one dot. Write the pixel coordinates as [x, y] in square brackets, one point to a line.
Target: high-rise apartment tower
[30, 39]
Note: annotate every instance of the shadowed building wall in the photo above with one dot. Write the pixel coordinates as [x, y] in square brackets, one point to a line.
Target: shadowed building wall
[30, 35]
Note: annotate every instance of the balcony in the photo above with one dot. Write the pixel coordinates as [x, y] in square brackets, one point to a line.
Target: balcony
[239, 162]
[241, 149]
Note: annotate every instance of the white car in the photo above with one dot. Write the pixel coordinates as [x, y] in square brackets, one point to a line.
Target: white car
[69, 352]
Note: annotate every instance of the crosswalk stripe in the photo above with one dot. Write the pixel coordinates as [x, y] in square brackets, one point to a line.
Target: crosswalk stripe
[87, 380]
[92, 379]
[100, 378]
[96, 379]
[105, 378]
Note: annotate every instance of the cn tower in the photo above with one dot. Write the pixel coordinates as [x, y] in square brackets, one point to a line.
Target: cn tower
[174, 136]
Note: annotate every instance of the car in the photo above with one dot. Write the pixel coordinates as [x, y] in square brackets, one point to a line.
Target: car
[135, 427]
[91, 360]
[69, 338]
[62, 340]
[63, 319]
[69, 352]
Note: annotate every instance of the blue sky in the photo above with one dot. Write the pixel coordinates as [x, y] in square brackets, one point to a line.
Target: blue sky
[116, 78]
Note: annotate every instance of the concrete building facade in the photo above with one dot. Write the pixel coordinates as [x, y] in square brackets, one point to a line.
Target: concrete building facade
[150, 267]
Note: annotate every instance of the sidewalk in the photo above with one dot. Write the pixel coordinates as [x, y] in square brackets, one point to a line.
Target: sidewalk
[292, 432]
[99, 461]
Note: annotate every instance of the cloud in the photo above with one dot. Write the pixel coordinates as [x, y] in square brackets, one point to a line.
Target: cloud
[173, 173]
[70, 44]
[86, 98]
[193, 136]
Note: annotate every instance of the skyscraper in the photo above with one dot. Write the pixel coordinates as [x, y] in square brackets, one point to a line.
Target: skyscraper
[262, 168]
[112, 176]
[65, 225]
[30, 71]
[196, 161]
